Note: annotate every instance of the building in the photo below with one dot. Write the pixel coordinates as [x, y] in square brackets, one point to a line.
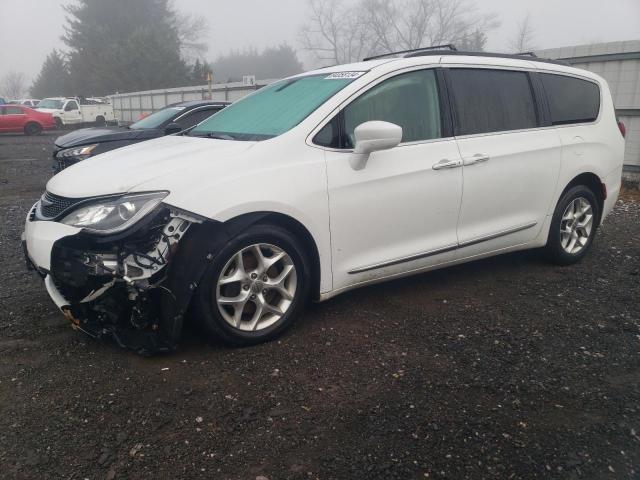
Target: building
[619, 64]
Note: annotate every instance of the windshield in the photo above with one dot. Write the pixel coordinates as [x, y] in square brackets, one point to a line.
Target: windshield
[50, 103]
[156, 119]
[275, 109]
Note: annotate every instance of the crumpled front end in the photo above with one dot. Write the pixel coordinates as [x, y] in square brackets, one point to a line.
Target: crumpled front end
[130, 286]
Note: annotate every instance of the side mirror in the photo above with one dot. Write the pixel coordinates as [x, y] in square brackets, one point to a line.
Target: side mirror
[172, 128]
[371, 137]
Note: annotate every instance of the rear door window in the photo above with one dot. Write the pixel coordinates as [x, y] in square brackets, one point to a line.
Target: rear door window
[571, 100]
[13, 110]
[488, 100]
[195, 117]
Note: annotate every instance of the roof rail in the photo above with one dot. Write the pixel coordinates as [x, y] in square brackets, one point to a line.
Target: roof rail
[448, 46]
[486, 54]
[527, 54]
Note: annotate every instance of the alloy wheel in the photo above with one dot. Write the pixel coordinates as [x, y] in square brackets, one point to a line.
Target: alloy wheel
[256, 287]
[576, 225]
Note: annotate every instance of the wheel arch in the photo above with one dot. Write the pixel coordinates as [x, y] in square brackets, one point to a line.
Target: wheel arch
[594, 183]
[200, 246]
[237, 224]
[32, 122]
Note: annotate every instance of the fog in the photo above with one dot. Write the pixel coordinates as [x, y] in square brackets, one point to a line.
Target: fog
[31, 28]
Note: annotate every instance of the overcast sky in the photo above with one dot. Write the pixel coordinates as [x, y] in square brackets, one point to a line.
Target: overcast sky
[31, 28]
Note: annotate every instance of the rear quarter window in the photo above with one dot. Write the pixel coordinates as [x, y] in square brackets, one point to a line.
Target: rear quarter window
[571, 100]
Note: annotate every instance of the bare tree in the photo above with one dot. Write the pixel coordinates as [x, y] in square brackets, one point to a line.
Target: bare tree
[343, 33]
[191, 29]
[335, 32]
[14, 85]
[409, 24]
[523, 38]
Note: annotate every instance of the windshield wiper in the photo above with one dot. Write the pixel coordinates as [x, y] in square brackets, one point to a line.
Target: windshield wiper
[215, 135]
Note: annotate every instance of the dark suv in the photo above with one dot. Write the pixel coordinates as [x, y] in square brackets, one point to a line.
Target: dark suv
[87, 142]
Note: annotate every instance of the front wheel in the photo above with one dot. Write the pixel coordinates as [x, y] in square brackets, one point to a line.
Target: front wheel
[573, 226]
[254, 288]
[59, 124]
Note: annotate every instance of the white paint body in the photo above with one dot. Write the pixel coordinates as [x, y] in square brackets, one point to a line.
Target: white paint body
[73, 113]
[396, 207]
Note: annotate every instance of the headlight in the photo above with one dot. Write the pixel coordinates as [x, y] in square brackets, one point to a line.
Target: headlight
[114, 215]
[79, 153]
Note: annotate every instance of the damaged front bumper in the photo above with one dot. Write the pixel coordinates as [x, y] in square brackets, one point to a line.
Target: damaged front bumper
[133, 286]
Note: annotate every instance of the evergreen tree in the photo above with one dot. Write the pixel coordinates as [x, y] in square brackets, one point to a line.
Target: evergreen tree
[53, 78]
[474, 41]
[123, 45]
[273, 62]
[198, 74]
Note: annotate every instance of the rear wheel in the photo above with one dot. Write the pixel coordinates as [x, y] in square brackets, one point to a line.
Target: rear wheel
[573, 226]
[254, 288]
[100, 121]
[32, 128]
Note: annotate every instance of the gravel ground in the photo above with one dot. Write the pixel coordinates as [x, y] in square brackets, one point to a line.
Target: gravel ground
[503, 368]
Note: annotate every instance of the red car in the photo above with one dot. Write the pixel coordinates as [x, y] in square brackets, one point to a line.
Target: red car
[18, 118]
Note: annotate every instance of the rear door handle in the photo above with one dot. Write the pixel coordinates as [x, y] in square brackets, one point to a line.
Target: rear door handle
[447, 164]
[477, 158]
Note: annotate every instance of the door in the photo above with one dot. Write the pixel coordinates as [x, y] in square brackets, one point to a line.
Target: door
[398, 213]
[511, 164]
[14, 119]
[3, 119]
[72, 113]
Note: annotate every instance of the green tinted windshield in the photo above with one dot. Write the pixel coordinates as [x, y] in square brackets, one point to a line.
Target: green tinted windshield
[275, 109]
[156, 119]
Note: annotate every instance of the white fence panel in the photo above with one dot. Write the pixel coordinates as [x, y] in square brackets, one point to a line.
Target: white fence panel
[129, 107]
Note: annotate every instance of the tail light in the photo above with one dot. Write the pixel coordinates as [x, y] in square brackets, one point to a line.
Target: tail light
[623, 129]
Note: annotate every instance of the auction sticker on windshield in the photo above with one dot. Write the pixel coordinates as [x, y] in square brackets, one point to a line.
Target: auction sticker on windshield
[344, 75]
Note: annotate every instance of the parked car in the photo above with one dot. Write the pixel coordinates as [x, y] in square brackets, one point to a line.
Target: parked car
[76, 111]
[324, 182]
[82, 144]
[2, 101]
[27, 102]
[18, 118]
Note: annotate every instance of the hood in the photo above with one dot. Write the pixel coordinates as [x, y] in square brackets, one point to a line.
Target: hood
[86, 136]
[127, 169]
[48, 110]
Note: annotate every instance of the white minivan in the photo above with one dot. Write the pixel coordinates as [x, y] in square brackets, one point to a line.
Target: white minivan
[324, 182]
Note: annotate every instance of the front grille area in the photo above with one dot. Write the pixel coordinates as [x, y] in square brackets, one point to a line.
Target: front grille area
[52, 205]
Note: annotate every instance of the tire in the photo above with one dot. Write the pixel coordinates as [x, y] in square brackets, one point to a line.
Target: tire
[59, 124]
[32, 128]
[569, 225]
[220, 320]
[100, 121]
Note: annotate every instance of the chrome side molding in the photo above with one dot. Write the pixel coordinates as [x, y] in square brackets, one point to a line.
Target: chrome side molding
[438, 251]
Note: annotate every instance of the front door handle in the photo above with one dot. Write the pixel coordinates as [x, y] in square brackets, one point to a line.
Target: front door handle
[447, 164]
[477, 158]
